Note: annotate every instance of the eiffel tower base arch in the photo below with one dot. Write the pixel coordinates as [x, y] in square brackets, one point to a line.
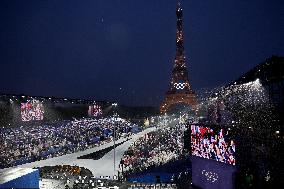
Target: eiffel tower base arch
[172, 99]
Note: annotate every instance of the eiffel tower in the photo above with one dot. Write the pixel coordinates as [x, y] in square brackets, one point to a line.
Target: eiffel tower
[180, 90]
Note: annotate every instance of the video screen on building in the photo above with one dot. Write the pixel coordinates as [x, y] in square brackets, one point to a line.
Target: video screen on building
[95, 110]
[215, 144]
[32, 111]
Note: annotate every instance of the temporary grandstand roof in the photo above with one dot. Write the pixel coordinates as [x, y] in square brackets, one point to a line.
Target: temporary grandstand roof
[272, 70]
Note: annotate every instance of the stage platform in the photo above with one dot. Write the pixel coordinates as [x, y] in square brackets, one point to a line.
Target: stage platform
[19, 178]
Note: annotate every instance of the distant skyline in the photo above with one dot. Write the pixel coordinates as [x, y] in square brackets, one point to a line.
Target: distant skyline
[124, 50]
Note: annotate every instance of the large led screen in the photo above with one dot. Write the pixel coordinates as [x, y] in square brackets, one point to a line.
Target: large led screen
[32, 110]
[215, 144]
[95, 111]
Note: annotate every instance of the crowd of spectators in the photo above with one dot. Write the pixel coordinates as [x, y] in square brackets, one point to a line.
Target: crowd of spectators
[212, 145]
[30, 143]
[154, 149]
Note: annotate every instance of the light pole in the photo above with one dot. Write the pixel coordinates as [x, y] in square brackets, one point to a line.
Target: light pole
[180, 116]
[114, 135]
[165, 120]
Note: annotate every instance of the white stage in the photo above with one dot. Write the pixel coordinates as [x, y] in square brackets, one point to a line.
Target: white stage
[11, 174]
[101, 167]
[19, 178]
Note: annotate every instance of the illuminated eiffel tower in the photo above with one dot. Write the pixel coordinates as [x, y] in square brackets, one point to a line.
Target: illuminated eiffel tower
[180, 90]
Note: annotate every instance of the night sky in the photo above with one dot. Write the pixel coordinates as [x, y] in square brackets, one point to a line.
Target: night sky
[124, 49]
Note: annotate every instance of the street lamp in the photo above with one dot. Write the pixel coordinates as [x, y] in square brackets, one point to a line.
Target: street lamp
[114, 135]
[165, 119]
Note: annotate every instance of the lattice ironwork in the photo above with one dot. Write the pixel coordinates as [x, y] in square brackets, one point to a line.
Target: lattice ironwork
[180, 90]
